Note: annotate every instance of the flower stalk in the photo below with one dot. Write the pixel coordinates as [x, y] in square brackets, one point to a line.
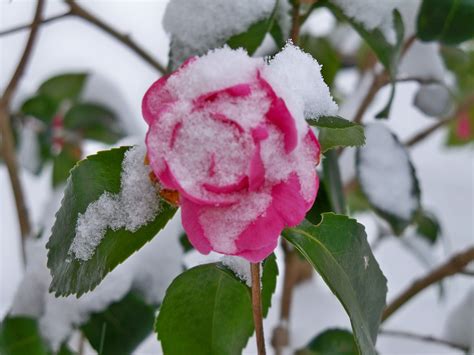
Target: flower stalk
[257, 307]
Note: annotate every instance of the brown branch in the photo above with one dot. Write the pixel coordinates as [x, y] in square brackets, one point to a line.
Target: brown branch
[425, 338]
[80, 12]
[257, 307]
[426, 132]
[295, 20]
[453, 266]
[379, 81]
[8, 144]
[27, 26]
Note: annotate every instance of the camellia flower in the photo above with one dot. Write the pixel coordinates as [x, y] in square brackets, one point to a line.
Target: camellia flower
[228, 132]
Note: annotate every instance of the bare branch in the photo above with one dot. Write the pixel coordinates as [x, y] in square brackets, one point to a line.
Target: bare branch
[425, 338]
[27, 26]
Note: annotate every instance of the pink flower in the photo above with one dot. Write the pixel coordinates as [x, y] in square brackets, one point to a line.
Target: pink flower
[463, 127]
[223, 136]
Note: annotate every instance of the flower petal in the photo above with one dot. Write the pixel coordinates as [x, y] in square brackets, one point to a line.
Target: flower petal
[190, 220]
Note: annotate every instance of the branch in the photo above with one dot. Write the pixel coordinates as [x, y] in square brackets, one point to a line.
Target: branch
[79, 11]
[8, 145]
[295, 21]
[257, 307]
[426, 338]
[426, 132]
[453, 266]
[379, 81]
[27, 26]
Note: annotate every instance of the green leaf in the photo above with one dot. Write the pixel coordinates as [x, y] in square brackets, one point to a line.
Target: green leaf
[41, 107]
[93, 121]
[206, 310]
[335, 131]
[185, 243]
[323, 51]
[450, 22]
[331, 341]
[253, 37]
[64, 87]
[461, 63]
[333, 183]
[269, 280]
[427, 226]
[64, 162]
[20, 336]
[338, 249]
[122, 327]
[321, 205]
[88, 181]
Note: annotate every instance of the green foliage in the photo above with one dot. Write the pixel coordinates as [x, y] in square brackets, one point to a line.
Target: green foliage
[121, 327]
[93, 121]
[206, 310]
[450, 22]
[321, 205]
[269, 280]
[20, 336]
[253, 37]
[461, 129]
[335, 131]
[333, 183]
[331, 341]
[64, 87]
[461, 63]
[41, 107]
[338, 249]
[88, 181]
[323, 51]
[185, 244]
[64, 162]
[427, 226]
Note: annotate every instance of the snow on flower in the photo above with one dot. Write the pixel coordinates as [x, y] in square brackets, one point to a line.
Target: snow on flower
[228, 132]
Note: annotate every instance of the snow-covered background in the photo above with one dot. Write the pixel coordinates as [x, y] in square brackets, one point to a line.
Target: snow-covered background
[446, 175]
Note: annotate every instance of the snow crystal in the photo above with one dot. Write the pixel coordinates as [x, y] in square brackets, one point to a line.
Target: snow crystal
[372, 14]
[198, 25]
[385, 173]
[296, 77]
[240, 267]
[134, 206]
[433, 100]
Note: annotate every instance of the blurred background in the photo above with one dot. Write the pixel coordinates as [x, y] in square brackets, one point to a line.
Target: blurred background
[117, 79]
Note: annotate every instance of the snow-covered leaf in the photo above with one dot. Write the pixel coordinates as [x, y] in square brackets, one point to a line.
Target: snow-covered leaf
[450, 22]
[338, 249]
[64, 87]
[206, 310]
[93, 121]
[121, 327]
[338, 132]
[331, 341]
[94, 191]
[253, 37]
[20, 336]
[387, 177]
[434, 100]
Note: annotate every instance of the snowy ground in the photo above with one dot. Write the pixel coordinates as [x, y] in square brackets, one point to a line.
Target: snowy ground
[446, 176]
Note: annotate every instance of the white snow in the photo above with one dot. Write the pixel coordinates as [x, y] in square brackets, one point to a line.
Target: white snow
[296, 77]
[372, 14]
[434, 100]
[459, 327]
[29, 149]
[240, 267]
[423, 61]
[385, 174]
[135, 205]
[199, 25]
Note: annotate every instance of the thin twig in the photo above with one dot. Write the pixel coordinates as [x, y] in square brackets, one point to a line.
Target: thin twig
[257, 307]
[426, 132]
[79, 11]
[421, 337]
[295, 27]
[8, 144]
[453, 266]
[379, 81]
[27, 26]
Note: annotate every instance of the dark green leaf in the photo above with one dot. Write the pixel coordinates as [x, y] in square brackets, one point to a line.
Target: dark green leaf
[20, 336]
[333, 183]
[253, 37]
[64, 162]
[64, 87]
[324, 52]
[269, 279]
[447, 21]
[41, 107]
[427, 226]
[206, 310]
[338, 132]
[357, 201]
[88, 181]
[321, 205]
[185, 244]
[461, 63]
[338, 250]
[121, 327]
[331, 341]
[93, 121]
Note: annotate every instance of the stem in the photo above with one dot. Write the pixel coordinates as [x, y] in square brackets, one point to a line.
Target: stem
[453, 266]
[295, 18]
[8, 144]
[25, 27]
[378, 82]
[79, 11]
[427, 338]
[257, 307]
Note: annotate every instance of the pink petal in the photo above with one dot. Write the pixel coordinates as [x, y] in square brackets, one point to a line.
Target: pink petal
[190, 220]
[239, 185]
[255, 256]
[256, 170]
[224, 119]
[239, 90]
[156, 100]
[311, 139]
